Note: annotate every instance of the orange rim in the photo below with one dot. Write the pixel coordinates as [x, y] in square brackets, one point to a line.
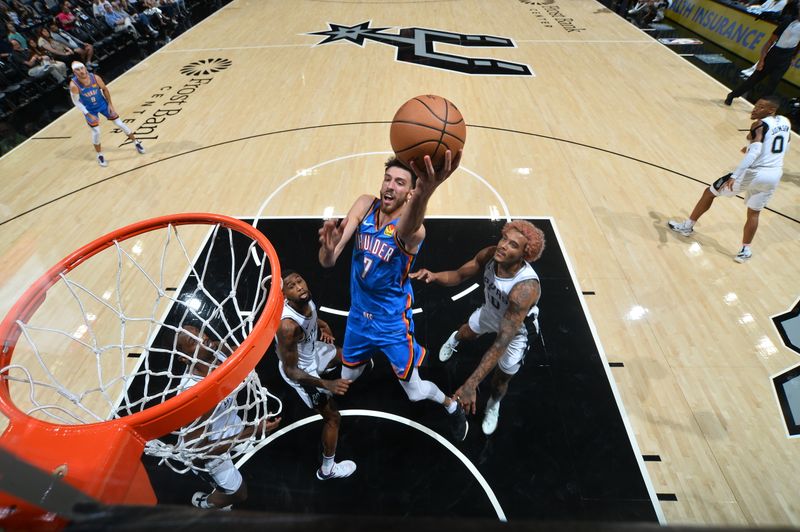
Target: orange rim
[177, 411]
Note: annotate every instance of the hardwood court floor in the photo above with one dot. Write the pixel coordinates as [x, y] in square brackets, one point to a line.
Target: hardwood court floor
[614, 135]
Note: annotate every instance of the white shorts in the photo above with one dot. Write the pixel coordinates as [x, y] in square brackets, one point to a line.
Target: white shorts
[225, 475]
[757, 184]
[325, 353]
[515, 353]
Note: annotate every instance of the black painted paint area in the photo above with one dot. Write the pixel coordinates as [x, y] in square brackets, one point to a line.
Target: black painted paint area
[560, 451]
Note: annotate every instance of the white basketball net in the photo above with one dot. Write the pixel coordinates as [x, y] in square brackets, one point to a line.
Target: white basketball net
[114, 321]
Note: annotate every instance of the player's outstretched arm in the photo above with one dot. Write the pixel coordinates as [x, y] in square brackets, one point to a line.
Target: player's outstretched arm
[409, 229]
[468, 270]
[520, 301]
[333, 236]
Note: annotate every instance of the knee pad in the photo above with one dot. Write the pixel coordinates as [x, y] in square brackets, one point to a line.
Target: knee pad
[95, 134]
[120, 124]
[352, 373]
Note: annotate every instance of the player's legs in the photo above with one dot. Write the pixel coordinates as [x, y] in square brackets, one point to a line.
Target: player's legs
[708, 196]
[491, 415]
[331, 420]
[229, 486]
[418, 389]
[450, 346]
[469, 331]
[750, 226]
[703, 204]
[124, 127]
[758, 193]
[508, 366]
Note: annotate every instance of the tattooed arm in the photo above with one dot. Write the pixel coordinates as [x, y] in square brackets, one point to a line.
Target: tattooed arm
[522, 297]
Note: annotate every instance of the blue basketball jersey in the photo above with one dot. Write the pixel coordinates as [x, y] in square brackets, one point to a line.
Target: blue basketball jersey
[379, 283]
[91, 96]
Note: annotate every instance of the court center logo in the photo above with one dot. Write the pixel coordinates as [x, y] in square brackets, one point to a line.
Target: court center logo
[418, 46]
[204, 67]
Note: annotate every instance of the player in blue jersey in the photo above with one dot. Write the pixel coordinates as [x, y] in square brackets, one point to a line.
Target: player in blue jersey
[91, 96]
[388, 235]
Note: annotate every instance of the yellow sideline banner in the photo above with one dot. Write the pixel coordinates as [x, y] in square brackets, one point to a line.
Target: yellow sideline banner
[730, 28]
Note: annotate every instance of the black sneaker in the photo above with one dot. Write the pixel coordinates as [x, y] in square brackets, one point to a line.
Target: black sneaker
[459, 426]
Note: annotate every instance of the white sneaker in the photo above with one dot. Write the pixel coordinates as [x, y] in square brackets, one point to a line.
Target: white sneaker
[139, 147]
[680, 227]
[342, 469]
[743, 255]
[490, 418]
[101, 160]
[200, 500]
[448, 348]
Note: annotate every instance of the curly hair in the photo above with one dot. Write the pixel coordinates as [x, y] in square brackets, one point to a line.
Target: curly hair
[533, 235]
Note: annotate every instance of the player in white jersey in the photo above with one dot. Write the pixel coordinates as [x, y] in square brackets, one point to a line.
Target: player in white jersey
[757, 175]
[203, 355]
[305, 350]
[511, 294]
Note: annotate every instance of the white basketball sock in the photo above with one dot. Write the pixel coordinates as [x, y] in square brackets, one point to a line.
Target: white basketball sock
[327, 464]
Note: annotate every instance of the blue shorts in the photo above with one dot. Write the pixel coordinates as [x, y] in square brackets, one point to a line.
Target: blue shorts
[96, 112]
[366, 334]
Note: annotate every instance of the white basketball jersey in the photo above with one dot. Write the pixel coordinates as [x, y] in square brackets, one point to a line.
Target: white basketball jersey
[775, 144]
[224, 421]
[306, 359]
[496, 290]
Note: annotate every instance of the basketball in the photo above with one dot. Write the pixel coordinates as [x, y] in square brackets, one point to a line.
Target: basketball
[427, 125]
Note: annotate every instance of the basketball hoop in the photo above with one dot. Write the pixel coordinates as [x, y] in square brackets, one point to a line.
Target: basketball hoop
[116, 318]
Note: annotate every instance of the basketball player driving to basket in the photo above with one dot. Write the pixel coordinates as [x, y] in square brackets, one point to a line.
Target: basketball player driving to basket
[389, 234]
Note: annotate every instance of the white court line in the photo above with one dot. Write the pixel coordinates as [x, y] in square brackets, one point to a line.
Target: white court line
[465, 292]
[403, 421]
[336, 311]
[309, 171]
[620, 406]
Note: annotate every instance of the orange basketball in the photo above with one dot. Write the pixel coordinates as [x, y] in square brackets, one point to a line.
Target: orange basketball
[427, 125]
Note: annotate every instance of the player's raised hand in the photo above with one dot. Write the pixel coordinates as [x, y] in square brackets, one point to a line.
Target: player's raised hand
[330, 234]
[426, 276]
[338, 386]
[428, 177]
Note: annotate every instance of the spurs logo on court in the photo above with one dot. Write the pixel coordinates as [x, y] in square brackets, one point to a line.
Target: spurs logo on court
[204, 67]
[417, 45]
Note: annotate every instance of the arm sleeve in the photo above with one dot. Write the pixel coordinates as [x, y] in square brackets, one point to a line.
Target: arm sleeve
[76, 99]
[753, 151]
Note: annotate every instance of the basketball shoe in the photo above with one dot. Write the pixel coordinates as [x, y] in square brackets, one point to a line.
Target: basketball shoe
[342, 469]
[743, 255]
[680, 227]
[200, 500]
[448, 348]
[139, 147]
[490, 417]
[459, 425]
[101, 160]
